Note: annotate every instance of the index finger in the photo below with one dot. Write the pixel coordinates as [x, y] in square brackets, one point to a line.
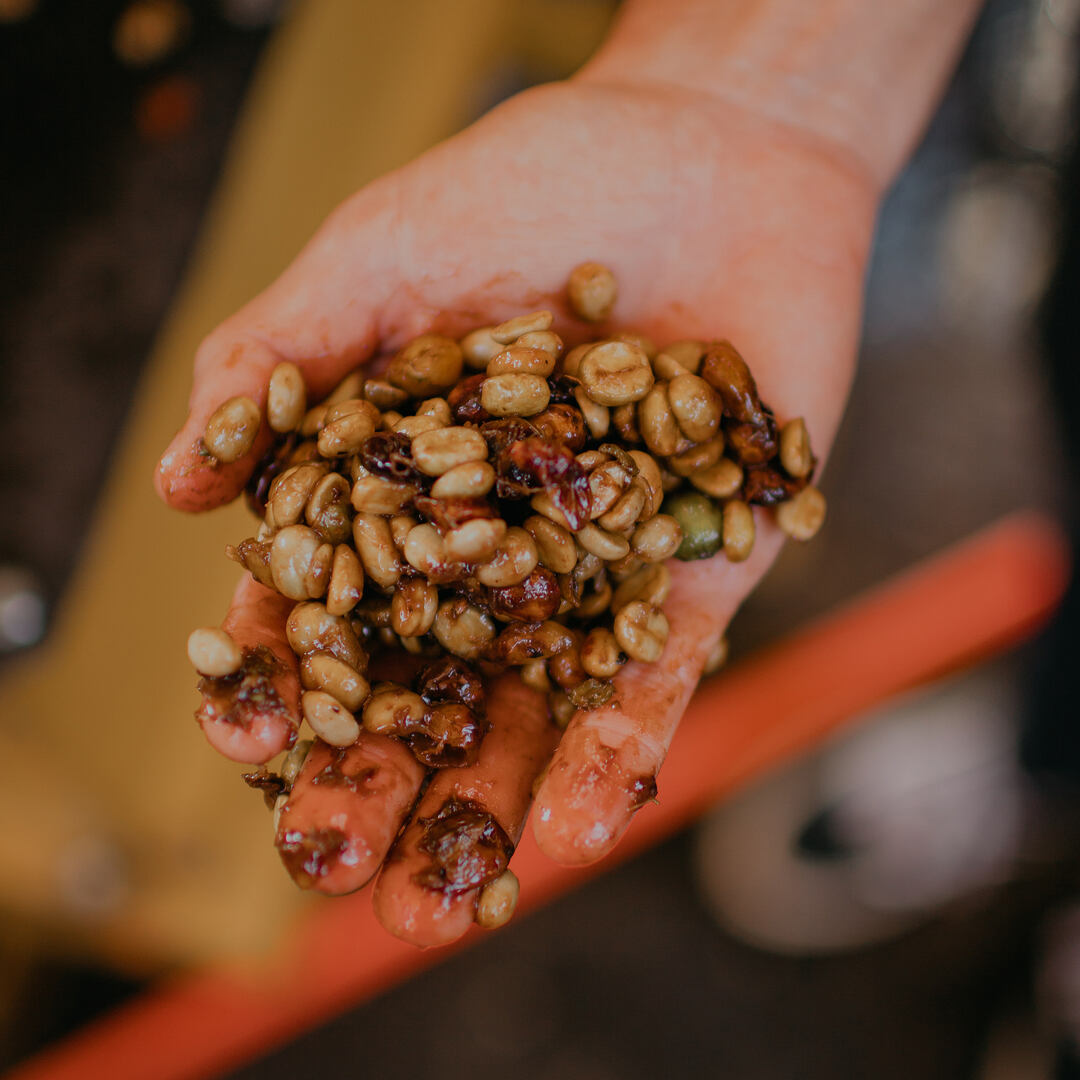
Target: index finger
[320, 315]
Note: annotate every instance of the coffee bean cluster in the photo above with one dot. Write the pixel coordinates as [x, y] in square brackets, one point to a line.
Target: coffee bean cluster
[500, 501]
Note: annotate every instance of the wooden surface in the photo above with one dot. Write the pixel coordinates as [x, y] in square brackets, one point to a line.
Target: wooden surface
[134, 841]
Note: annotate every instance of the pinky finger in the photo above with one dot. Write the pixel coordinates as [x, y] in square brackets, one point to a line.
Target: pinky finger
[250, 687]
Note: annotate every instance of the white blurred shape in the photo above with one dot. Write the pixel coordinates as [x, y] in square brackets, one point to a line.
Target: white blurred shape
[1034, 74]
[996, 248]
[929, 795]
[758, 887]
[925, 804]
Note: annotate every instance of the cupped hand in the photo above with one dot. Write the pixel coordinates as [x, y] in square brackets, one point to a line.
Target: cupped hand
[717, 222]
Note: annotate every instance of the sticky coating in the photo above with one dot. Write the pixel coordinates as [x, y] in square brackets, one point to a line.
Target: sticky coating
[606, 765]
[500, 782]
[344, 811]
[255, 730]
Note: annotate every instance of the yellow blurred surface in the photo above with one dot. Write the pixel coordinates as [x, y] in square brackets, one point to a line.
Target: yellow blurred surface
[129, 838]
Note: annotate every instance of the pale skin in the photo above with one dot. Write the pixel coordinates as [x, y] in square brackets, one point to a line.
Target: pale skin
[728, 166]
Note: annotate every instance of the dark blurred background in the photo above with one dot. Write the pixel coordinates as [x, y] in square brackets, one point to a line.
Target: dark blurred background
[116, 119]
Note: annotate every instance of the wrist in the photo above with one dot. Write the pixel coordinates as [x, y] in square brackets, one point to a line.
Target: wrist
[859, 75]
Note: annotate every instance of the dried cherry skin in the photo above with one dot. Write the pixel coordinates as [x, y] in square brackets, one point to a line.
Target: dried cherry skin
[766, 486]
[238, 698]
[562, 389]
[501, 433]
[308, 856]
[563, 424]
[467, 846]
[451, 680]
[532, 465]
[447, 736]
[753, 444]
[274, 462]
[464, 401]
[451, 513]
[269, 783]
[389, 454]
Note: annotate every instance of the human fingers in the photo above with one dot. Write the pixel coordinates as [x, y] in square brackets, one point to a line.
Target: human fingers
[606, 765]
[345, 807]
[320, 315]
[250, 684]
[466, 824]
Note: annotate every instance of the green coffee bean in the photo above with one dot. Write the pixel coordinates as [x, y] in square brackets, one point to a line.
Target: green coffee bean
[702, 523]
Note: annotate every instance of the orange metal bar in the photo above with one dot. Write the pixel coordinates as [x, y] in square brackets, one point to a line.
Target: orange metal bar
[965, 605]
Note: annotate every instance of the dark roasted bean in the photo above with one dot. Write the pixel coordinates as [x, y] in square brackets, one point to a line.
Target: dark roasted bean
[766, 486]
[464, 401]
[533, 600]
[565, 667]
[726, 371]
[451, 680]
[521, 642]
[562, 424]
[753, 444]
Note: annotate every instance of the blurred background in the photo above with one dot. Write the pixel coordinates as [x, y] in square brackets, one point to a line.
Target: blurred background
[899, 904]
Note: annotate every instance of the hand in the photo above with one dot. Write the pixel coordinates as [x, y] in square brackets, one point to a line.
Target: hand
[717, 223]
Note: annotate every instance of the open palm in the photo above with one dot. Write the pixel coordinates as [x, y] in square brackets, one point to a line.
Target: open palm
[716, 222]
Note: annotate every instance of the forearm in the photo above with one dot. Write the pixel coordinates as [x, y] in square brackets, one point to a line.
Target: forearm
[864, 74]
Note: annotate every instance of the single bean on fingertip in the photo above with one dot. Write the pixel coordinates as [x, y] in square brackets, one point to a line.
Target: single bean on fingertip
[232, 429]
[497, 902]
[251, 713]
[212, 652]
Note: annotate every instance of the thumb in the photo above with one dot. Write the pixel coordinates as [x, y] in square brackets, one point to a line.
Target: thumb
[321, 315]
